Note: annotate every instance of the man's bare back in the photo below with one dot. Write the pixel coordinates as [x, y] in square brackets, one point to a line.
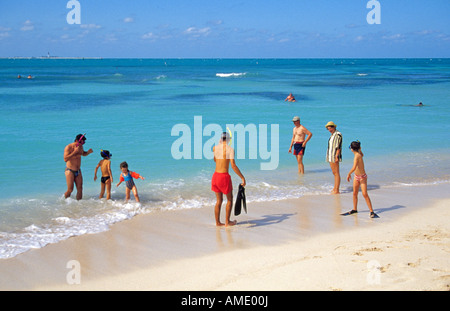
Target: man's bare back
[222, 156]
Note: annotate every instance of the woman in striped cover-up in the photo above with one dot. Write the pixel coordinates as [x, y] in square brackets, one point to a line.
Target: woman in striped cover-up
[334, 154]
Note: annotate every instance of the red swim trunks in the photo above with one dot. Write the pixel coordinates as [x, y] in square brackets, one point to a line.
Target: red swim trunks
[299, 149]
[221, 182]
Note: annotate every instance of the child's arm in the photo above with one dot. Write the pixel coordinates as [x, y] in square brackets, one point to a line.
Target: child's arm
[120, 180]
[96, 169]
[136, 175]
[355, 165]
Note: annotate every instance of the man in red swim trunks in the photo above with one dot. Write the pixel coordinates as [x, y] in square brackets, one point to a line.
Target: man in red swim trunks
[221, 180]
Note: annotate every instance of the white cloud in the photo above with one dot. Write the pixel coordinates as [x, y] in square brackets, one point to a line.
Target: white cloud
[4, 32]
[90, 26]
[149, 35]
[4, 35]
[397, 36]
[27, 26]
[197, 32]
[128, 20]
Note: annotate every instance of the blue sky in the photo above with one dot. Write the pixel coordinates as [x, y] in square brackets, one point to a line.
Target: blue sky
[226, 28]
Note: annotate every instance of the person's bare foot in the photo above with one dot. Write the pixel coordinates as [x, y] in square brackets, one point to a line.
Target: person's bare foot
[231, 223]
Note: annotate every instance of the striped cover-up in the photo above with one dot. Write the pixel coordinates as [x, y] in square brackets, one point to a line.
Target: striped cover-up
[334, 143]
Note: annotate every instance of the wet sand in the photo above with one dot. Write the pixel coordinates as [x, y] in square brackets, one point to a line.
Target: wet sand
[298, 244]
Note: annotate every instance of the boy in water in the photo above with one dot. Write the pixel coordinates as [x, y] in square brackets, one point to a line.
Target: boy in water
[107, 177]
[360, 179]
[127, 176]
[221, 180]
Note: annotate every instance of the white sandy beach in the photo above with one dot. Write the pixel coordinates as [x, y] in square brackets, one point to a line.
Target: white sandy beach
[301, 244]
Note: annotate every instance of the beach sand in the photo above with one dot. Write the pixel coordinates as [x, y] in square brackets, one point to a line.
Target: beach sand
[298, 244]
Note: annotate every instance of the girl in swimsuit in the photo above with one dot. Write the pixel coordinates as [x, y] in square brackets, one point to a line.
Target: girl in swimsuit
[107, 177]
[127, 176]
[360, 179]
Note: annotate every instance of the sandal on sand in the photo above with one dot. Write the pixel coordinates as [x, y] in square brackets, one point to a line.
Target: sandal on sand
[373, 215]
[350, 213]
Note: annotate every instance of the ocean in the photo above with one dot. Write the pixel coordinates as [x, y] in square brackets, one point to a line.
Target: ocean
[163, 115]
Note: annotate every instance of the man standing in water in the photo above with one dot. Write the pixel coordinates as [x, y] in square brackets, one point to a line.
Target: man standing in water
[299, 143]
[221, 180]
[72, 157]
[334, 154]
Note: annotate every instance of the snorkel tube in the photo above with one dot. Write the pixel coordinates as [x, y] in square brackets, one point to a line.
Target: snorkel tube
[79, 140]
[231, 136]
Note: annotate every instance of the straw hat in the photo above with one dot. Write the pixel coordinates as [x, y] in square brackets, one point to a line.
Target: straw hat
[331, 123]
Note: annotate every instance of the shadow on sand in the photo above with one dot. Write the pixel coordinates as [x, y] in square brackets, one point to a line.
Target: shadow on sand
[269, 220]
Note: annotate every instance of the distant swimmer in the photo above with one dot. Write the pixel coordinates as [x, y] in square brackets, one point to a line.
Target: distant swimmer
[290, 98]
[419, 104]
[30, 77]
[19, 76]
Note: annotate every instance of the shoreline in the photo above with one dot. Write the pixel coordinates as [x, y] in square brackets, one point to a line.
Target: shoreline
[295, 244]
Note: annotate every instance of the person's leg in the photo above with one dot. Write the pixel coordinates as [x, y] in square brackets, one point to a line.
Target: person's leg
[69, 180]
[136, 195]
[337, 177]
[356, 184]
[365, 194]
[127, 194]
[102, 190]
[79, 185]
[228, 222]
[301, 168]
[108, 189]
[219, 200]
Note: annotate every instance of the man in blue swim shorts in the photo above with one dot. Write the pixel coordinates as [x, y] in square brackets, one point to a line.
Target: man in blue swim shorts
[299, 142]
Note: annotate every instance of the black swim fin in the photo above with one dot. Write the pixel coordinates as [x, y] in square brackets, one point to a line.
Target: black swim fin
[240, 201]
[350, 213]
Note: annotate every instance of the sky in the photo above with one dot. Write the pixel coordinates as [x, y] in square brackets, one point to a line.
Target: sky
[225, 29]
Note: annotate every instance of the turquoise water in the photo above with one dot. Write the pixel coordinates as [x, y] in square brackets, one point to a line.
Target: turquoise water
[130, 106]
